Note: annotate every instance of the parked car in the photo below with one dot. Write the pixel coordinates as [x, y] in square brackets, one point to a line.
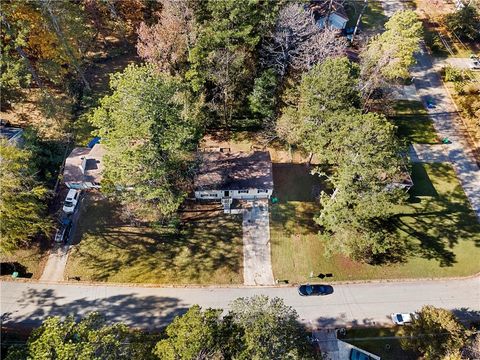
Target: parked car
[359, 355]
[315, 290]
[403, 318]
[63, 232]
[71, 201]
[475, 65]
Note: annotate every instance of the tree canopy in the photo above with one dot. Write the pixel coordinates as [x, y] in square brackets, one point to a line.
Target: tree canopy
[464, 22]
[22, 199]
[149, 133]
[436, 333]
[89, 338]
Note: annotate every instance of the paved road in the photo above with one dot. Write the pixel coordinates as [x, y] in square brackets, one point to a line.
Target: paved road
[28, 304]
[257, 264]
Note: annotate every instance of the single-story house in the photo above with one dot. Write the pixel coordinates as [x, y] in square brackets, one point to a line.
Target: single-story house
[13, 135]
[225, 176]
[84, 167]
[334, 12]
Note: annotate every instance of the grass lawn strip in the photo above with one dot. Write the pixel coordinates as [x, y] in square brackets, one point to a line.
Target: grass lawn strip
[413, 122]
[206, 249]
[437, 222]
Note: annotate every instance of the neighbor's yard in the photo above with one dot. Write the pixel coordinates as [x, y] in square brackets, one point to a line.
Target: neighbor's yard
[379, 341]
[437, 222]
[413, 122]
[206, 249]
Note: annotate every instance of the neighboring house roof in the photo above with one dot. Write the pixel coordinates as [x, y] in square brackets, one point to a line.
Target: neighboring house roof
[234, 171]
[320, 9]
[10, 133]
[84, 165]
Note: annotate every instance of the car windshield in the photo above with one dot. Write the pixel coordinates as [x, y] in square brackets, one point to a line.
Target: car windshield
[68, 203]
[399, 318]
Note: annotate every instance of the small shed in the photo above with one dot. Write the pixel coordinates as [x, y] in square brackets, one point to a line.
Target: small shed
[333, 11]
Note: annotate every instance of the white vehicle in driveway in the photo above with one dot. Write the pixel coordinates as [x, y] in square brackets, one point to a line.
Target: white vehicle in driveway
[403, 318]
[71, 201]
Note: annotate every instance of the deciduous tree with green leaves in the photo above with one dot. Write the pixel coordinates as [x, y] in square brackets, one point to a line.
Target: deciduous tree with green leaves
[149, 130]
[464, 22]
[198, 334]
[22, 199]
[436, 333]
[89, 338]
[389, 56]
[270, 329]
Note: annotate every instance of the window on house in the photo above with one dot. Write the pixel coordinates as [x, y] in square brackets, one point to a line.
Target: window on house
[259, 191]
[243, 191]
[208, 195]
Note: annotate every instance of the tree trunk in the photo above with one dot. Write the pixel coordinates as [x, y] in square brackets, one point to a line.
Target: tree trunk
[61, 36]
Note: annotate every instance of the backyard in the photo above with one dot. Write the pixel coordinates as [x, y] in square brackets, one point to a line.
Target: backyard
[205, 248]
[437, 223]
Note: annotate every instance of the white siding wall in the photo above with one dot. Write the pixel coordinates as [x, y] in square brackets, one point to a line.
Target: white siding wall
[234, 194]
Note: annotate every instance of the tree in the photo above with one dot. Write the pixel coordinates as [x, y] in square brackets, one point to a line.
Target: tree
[464, 22]
[195, 335]
[90, 338]
[22, 199]
[270, 329]
[149, 134]
[390, 55]
[262, 100]
[436, 333]
[322, 119]
[306, 121]
[297, 42]
[365, 191]
[166, 43]
[223, 58]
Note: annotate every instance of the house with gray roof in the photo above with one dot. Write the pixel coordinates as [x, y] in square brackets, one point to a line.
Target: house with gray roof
[228, 176]
[13, 135]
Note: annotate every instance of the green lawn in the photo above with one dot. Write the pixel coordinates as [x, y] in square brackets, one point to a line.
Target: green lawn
[437, 222]
[413, 122]
[373, 18]
[29, 262]
[206, 249]
[379, 341]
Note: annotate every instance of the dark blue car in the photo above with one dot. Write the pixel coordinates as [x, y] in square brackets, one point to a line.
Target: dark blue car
[315, 290]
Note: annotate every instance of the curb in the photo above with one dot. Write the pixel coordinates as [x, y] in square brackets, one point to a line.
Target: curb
[239, 286]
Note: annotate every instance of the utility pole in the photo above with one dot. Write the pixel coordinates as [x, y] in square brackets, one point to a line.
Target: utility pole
[358, 20]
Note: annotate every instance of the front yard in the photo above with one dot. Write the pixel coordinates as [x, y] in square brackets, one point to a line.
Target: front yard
[206, 248]
[437, 222]
[413, 122]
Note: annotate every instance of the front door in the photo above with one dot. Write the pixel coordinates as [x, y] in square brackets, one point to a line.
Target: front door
[226, 193]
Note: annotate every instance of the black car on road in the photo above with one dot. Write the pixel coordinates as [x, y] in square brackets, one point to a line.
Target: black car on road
[315, 290]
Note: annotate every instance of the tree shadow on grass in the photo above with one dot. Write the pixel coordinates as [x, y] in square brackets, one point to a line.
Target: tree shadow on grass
[148, 312]
[439, 220]
[206, 249]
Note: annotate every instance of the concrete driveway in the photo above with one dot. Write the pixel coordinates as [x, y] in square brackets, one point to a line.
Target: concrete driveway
[257, 265]
[369, 304]
[429, 153]
[57, 260]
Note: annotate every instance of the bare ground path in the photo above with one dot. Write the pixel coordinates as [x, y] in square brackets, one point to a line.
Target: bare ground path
[257, 264]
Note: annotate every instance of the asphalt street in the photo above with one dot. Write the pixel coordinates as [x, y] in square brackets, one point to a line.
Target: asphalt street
[27, 304]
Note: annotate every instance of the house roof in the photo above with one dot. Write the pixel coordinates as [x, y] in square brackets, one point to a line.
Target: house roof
[76, 170]
[234, 171]
[9, 133]
[319, 9]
